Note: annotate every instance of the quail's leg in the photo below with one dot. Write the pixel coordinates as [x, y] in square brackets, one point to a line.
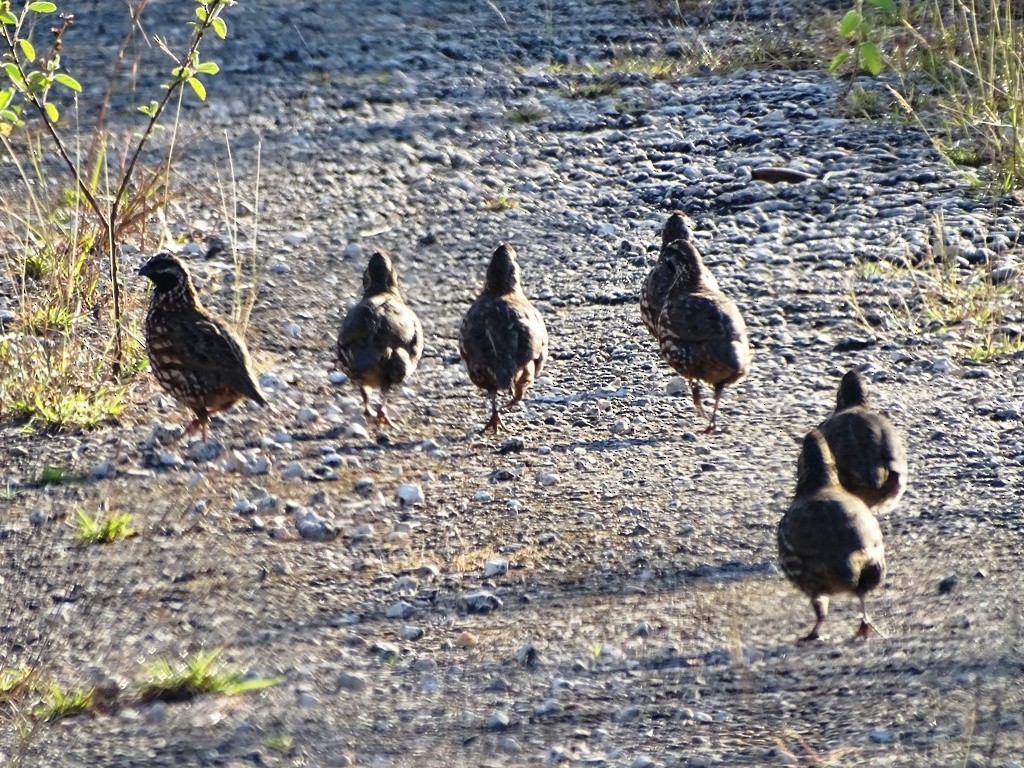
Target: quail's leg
[519, 385]
[201, 422]
[866, 627]
[366, 404]
[698, 400]
[382, 413]
[820, 605]
[714, 409]
[495, 420]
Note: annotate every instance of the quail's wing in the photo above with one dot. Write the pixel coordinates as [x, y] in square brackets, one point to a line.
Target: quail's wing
[701, 317]
[403, 327]
[214, 352]
[363, 338]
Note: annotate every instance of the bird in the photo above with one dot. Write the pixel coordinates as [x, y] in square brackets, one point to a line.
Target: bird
[195, 356]
[700, 330]
[502, 338]
[829, 542]
[380, 342]
[659, 280]
[870, 457]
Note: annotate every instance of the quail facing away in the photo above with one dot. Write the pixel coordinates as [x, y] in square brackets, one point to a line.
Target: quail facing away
[870, 457]
[700, 330]
[829, 542]
[195, 356]
[503, 339]
[381, 339]
[659, 280]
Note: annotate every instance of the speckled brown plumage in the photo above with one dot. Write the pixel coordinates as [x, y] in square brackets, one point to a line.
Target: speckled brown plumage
[659, 280]
[194, 355]
[870, 457]
[381, 339]
[829, 542]
[700, 330]
[503, 339]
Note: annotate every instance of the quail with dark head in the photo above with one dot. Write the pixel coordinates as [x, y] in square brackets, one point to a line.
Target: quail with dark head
[502, 338]
[700, 330]
[659, 280]
[381, 339]
[870, 457]
[194, 355]
[829, 542]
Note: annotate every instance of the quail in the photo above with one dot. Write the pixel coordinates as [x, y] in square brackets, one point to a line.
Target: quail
[502, 338]
[829, 542]
[870, 457]
[700, 330]
[659, 280]
[381, 339]
[194, 355]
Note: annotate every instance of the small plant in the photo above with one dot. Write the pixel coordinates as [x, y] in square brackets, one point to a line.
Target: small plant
[590, 89]
[53, 475]
[58, 703]
[196, 675]
[281, 743]
[66, 235]
[525, 114]
[995, 348]
[103, 530]
[860, 29]
[13, 681]
[500, 203]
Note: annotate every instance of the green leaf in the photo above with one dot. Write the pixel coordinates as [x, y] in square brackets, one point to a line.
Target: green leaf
[201, 13]
[180, 73]
[149, 109]
[208, 68]
[885, 5]
[5, 98]
[837, 62]
[12, 72]
[220, 27]
[871, 58]
[851, 23]
[51, 112]
[27, 49]
[68, 82]
[6, 17]
[198, 87]
[41, 7]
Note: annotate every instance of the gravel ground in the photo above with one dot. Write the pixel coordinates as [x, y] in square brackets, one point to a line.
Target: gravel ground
[597, 587]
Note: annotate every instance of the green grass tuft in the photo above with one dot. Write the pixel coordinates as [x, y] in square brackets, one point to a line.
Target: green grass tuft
[58, 703]
[103, 530]
[198, 674]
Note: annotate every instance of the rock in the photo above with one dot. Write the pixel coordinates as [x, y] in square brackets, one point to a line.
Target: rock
[528, 656]
[306, 416]
[400, 610]
[387, 652]
[642, 761]
[882, 736]
[509, 746]
[296, 238]
[409, 494]
[512, 445]
[479, 601]
[948, 584]
[466, 640]
[201, 451]
[314, 527]
[547, 707]
[498, 721]
[351, 681]
[547, 479]
[627, 714]
[410, 633]
[495, 567]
